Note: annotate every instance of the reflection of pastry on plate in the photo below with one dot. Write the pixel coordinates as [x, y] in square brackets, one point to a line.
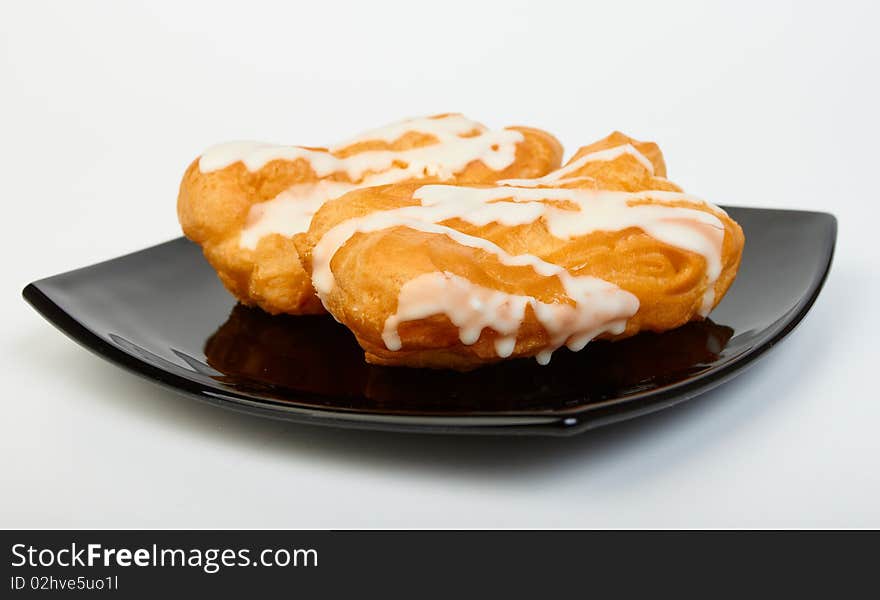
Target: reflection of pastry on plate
[254, 352]
[459, 276]
[243, 201]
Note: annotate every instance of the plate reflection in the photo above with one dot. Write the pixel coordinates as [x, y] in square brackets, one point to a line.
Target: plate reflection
[315, 356]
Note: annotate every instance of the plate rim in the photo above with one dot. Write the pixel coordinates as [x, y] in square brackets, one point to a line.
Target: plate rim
[561, 422]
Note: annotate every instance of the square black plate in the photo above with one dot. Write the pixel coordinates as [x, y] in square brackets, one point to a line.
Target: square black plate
[162, 314]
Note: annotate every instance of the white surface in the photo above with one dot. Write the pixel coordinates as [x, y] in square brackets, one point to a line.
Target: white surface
[103, 106]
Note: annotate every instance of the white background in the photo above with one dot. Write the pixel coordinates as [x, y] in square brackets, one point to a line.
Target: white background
[759, 104]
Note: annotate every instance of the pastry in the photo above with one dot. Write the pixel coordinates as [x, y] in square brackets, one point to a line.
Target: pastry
[243, 201]
[457, 276]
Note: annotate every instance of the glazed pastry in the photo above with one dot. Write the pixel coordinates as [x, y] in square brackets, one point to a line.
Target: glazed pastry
[243, 201]
[459, 276]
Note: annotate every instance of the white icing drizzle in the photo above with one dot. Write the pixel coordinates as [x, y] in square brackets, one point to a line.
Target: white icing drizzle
[562, 175]
[471, 307]
[497, 149]
[444, 128]
[598, 307]
[335, 238]
[291, 212]
[694, 230]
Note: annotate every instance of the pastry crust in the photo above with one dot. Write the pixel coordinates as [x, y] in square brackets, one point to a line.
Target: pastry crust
[232, 196]
[461, 276]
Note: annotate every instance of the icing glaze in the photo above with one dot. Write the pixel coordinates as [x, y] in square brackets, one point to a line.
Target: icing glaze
[598, 307]
[564, 174]
[451, 153]
[694, 230]
[497, 149]
[291, 212]
[335, 238]
[689, 229]
[444, 128]
[471, 308]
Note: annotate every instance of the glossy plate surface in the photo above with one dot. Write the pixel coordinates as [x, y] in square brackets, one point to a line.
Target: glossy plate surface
[163, 314]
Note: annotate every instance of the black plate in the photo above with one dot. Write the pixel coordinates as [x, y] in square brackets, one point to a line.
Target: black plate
[162, 314]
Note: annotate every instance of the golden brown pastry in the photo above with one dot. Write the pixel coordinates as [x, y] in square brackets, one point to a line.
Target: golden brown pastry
[243, 201]
[459, 276]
